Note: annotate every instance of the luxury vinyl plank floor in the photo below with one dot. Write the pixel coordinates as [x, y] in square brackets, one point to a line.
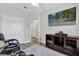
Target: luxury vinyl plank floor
[39, 50]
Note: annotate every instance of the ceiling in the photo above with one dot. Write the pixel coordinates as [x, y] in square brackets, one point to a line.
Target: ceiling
[16, 8]
[33, 10]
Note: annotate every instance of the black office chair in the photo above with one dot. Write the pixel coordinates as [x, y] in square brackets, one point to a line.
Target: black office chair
[11, 45]
[2, 37]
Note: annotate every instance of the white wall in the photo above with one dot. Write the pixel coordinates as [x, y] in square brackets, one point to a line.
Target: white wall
[69, 29]
[15, 20]
[14, 28]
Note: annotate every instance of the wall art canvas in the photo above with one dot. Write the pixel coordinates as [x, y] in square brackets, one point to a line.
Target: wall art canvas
[65, 17]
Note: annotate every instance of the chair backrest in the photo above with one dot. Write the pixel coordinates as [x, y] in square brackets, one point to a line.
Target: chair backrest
[2, 37]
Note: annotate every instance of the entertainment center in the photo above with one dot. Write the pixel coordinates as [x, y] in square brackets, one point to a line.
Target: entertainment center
[68, 45]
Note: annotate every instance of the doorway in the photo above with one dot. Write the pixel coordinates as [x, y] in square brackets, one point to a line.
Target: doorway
[35, 31]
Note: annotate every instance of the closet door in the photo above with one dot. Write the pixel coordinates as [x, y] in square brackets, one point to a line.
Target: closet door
[13, 28]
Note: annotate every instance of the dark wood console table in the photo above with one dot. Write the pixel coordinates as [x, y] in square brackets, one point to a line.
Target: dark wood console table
[67, 45]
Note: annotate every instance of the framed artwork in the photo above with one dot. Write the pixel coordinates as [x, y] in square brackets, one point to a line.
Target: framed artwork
[65, 17]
